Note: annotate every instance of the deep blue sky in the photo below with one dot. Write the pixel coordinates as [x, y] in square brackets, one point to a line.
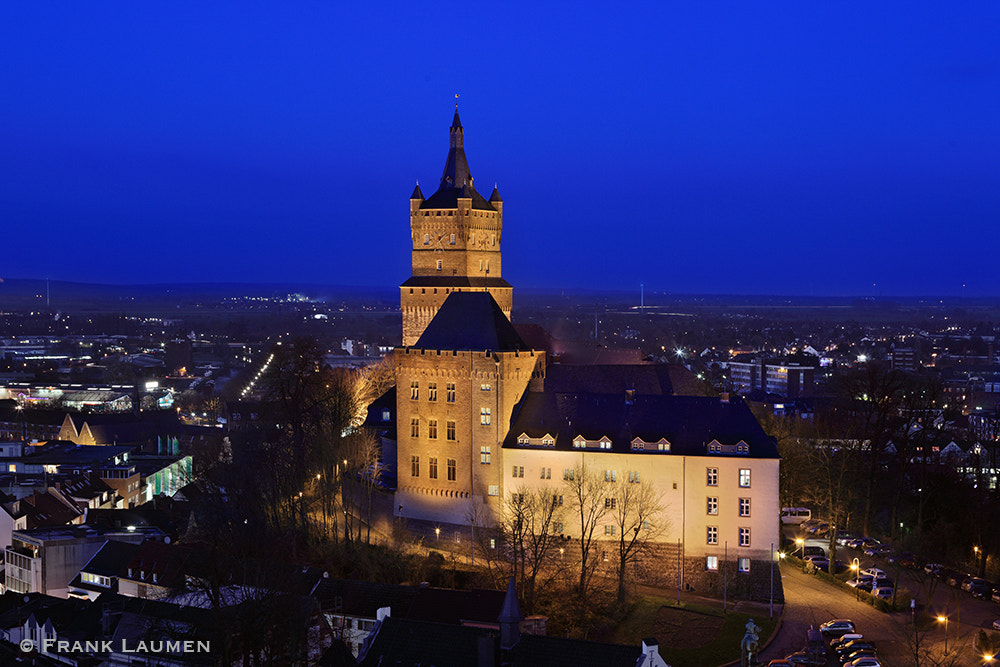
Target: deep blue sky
[765, 148]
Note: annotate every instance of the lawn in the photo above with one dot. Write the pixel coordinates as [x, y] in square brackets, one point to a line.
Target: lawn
[689, 635]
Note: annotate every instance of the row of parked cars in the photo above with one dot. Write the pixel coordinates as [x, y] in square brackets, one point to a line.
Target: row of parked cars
[847, 647]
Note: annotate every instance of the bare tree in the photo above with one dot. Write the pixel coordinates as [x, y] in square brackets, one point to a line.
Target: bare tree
[586, 490]
[637, 513]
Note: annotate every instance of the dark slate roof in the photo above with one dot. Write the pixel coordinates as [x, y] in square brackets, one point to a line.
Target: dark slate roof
[417, 194]
[408, 643]
[495, 197]
[448, 605]
[363, 598]
[470, 321]
[687, 422]
[111, 558]
[456, 181]
[454, 281]
[644, 379]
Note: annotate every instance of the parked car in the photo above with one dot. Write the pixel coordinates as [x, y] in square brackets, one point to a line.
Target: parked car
[996, 624]
[780, 662]
[843, 537]
[874, 572]
[883, 592]
[861, 581]
[933, 568]
[860, 658]
[907, 559]
[868, 661]
[881, 582]
[953, 578]
[996, 594]
[850, 647]
[802, 658]
[814, 563]
[843, 639]
[837, 627]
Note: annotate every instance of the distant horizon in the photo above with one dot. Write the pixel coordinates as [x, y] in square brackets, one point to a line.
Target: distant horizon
[533, 289]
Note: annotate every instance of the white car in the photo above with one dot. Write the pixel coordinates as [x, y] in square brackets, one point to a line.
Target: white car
[867, 661]
[883, 592]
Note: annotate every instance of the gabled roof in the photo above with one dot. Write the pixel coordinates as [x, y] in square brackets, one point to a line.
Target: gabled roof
[688, 423]
[456, 181]
[470, 321]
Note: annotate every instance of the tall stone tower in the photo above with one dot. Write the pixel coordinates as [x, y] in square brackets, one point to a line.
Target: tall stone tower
[456, 243]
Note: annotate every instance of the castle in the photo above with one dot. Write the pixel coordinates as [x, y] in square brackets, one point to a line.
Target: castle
[480, 415]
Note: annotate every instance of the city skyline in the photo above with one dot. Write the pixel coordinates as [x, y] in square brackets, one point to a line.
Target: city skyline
[712, 150]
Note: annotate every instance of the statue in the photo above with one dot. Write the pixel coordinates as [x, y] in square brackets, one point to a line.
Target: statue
[749, 645]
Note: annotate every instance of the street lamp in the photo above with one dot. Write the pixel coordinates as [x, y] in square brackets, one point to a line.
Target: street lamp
[437, 531]
[944, 619]
[802, 549]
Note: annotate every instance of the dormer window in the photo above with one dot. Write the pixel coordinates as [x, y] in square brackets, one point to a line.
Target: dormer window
[604, 443]
[579, 442]
[548, 441]
[638, 445]
[523, 439]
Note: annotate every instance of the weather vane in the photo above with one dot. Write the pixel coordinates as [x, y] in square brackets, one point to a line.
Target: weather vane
[456, 101]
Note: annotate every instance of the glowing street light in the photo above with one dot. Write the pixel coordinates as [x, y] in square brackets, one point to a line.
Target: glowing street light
[802, 549]
[944, 619]
[437, 531]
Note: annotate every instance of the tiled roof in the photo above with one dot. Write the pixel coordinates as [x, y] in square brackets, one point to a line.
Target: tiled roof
[470, 321]
[688, 423]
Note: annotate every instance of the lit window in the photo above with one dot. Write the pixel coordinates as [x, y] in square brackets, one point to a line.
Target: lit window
[546, 473]
[713, 505]
[610, 530]
[745, 477]
[484, 416]
[414, 390]
[712, 476]
[569, 474]
[485, 386]
[713, 535]
[712, 563]
[432, 429]
[432, 391]
[451, 470]
[579, 442]
[744, 537]
[557, 501]
[427, 239]
[432, 467]
[452, 239]
[518, 471]
[415, 466]
[439, 265]
[645, 524]
[450, 388]
[414, 428]
[633, 476]
[450, 429]
[610, 475]
[548, 442]
[484, 454]
[610, 503]
[523, 440]
[744, 507]
[557, 527]
[494, 490]
[743, 564]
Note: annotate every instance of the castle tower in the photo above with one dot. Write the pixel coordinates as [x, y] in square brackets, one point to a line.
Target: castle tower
[456, 243]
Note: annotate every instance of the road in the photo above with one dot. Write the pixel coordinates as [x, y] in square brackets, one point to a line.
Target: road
[809, 602]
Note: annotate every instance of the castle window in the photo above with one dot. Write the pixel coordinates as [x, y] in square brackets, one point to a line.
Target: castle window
[450, 389]
[745, 477]
[548, 441]
[518, 471]
[579, 442]
[415, 466]
[523, 440]
[472, 238]
[610, 475]
[451, 470]
[452, 239]
[493, 241]
[484, 454]
[610, 503]
[604, 443]
[493, 490]
[414, 390]
[546, 473]
[480, 265]
[633, 476]
[712, 536]
[432, 467]
[712, 476]
[427, 239]
[440, 265]
[712, 505]
[743, 564]
[611, 530]
[557, 501]
[450, 430]
[432, 429]
[744, 537]
[414, 428]
[712, 563]
[569, 474]
[484, 416]
[487, 266]
[485, 386]
[744, 507]
[557, 527]
[432, 391]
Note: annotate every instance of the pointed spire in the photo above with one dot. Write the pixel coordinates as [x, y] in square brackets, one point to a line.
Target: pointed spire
[495, 197]
[456, 130]
[417, 194]
[510, 618]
